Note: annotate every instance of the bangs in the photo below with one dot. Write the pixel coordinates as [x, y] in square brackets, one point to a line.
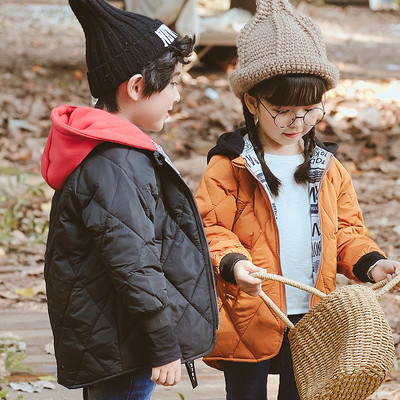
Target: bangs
[291, 90]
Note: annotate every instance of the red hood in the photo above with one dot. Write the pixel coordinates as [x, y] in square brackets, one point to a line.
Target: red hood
[74, 134]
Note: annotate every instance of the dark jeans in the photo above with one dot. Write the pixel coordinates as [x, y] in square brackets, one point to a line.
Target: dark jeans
[248, 381]
[134, 386]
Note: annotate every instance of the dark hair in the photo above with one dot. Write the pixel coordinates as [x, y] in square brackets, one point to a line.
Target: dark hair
[286, 90]
[156, 75]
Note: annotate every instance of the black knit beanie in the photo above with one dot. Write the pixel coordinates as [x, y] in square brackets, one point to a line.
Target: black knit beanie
[119, 44]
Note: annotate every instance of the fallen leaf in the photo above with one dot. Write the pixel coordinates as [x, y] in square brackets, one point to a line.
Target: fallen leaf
[41, 384]
[49, 348]
[24, 387]
[28, 292]
[78, 74]
[49, 378]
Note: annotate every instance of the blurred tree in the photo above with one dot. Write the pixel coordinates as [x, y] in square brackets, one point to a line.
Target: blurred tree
[249, 5]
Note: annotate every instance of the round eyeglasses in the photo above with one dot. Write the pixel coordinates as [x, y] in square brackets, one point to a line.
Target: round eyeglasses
[286, 118]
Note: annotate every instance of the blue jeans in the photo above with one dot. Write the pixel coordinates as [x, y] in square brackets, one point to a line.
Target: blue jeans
[133, 386]
[248, 381]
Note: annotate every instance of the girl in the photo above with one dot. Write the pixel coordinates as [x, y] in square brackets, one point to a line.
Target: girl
[275, 197]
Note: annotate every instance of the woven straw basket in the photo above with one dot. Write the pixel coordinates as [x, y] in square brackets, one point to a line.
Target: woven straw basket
[343, 347]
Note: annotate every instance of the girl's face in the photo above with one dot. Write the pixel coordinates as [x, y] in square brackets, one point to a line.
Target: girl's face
[287, 140]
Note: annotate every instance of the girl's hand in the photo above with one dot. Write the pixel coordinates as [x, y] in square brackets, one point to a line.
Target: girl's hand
[386, 269]
[242, 270]
[168, 374]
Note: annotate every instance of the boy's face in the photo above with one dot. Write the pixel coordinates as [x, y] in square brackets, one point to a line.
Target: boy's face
[155, 109]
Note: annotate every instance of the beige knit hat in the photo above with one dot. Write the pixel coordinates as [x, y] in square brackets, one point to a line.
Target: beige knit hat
[279, 40]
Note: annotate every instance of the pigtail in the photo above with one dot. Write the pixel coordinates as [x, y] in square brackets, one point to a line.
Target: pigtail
[272, 181]
[302, 173]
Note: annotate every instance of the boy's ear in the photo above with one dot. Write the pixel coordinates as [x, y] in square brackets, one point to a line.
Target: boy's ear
[251, 103]
[135, 87]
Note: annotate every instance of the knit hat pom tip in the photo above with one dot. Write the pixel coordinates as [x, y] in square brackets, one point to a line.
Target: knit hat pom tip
[268, 7]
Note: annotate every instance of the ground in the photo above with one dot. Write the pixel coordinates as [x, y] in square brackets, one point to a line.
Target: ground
[42, 66]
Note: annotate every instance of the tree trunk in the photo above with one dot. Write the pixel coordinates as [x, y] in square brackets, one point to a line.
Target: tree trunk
[249, 5]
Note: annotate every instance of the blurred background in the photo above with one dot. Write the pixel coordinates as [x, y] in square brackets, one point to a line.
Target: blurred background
[42, 65]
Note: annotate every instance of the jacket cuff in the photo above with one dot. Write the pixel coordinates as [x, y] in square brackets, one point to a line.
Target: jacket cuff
[226, 266]
[163, 347]
[362, 266]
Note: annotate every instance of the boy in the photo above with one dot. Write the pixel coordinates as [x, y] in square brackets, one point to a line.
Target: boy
[129, 280]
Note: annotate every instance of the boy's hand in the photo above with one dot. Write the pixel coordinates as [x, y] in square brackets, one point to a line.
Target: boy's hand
[386, 269]
[242, 270]
[168, 374]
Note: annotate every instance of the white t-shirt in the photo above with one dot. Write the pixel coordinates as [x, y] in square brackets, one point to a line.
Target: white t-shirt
[294, 226]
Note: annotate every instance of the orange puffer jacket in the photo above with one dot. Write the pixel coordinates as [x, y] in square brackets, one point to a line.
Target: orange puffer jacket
[238, 218]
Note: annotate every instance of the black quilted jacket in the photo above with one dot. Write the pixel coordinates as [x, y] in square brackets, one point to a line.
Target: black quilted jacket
[128, 275]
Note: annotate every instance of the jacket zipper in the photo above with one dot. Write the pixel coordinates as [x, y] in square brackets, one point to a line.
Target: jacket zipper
[204, 247]
[327, 168]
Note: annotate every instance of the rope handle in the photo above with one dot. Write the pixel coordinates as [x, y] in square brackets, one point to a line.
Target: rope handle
[273, 307]
[276, 310]
[384, 285]
[273, 277]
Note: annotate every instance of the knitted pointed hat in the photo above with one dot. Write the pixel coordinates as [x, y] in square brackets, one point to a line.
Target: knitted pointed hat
[119, 43]
[279, 40]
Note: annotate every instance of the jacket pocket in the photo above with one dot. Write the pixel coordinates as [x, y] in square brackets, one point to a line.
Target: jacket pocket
[227, 293]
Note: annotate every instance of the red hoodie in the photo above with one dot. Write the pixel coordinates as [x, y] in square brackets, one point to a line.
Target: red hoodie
[74, 134]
